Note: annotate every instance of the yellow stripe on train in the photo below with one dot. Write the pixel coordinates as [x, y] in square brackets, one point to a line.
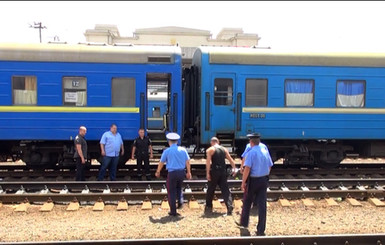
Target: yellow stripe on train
[69, 109]
[313, 110]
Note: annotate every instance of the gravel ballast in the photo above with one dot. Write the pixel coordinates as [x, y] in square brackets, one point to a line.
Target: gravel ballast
[85, 224]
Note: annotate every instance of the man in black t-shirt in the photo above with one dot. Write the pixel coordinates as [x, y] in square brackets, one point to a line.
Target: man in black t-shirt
[80, 155]
[217, 175]
[141, 147]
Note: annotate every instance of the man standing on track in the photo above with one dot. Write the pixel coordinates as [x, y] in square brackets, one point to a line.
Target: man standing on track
[142, 144]
[111, 146]
[255, 180]
[176, 160]
[247, 149]
[217, 175]
[80, 155]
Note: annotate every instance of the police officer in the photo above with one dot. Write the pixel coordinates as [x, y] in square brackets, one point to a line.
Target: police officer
[255, 180]
[80, 154]
[247, 149]
[176, 160]
[111, 146]
[142, 144]
[217, 175]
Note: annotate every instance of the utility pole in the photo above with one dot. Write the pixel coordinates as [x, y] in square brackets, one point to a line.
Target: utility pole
[38, 25]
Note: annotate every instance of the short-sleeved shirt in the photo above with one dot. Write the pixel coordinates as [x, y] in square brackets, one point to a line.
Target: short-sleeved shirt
[259, 161]
[111, 143]
[142, 145]
[248, 147]
[175, 158]
[79, 140]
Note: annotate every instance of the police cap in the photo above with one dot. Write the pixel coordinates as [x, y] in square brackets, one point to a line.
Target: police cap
[254, 135]
[173, 136]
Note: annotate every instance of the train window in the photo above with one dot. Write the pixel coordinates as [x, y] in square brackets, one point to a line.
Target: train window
[256, 92]
[24, 90]
[223, 91]
[74, 91]
[350, 93]
[299, 92]
[123, 91]
[156, 112]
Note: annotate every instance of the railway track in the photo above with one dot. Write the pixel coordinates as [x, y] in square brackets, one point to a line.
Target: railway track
[343, 239]
[17, 173]
[17, 192]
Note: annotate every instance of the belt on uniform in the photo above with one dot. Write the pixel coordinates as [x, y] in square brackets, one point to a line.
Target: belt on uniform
[259, 177]
[172, 170]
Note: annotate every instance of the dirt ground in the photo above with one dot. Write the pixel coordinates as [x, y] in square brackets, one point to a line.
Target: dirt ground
[85, 224]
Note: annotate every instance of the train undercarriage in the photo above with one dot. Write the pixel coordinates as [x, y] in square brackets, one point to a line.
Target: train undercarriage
[322, 153]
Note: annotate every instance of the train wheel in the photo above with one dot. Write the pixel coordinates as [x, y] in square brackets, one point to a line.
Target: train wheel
[35, 158]
[329, 159]
[3, 158]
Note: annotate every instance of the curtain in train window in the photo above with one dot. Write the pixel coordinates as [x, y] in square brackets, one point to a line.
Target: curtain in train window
[256, 92]
[299, 92]
[24, 90]
[350, 93]
[223, 91]
[74, 91]
[123, 92]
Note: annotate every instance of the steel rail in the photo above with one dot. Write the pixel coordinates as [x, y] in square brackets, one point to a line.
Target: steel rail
[194, 184]
[200, 195]
[117, 190]
[341, 239]
[131, 172]
[202, 164]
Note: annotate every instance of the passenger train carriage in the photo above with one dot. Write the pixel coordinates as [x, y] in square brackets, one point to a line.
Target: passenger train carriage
[49, 90]
[310, 108]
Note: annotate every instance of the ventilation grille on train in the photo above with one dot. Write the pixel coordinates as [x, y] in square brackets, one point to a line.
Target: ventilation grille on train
[159, 59]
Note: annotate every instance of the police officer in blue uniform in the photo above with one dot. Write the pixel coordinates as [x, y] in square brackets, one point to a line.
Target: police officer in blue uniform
[255, 180]
[176, 160]
[247, 149]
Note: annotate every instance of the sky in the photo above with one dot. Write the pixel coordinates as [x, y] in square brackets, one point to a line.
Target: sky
[307, 25]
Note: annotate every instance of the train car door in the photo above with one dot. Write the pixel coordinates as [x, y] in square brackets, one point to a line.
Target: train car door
[223, 103]
[158, 104]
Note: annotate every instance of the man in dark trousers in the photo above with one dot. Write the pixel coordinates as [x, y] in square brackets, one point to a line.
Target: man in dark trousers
[255, 180]
[142, 145]
[217, 175]
[176, 160]
[80, 155]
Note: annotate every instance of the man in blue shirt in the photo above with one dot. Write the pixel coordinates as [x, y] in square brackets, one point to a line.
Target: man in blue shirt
[255, 180]
[111, 146]
[176, 160]
[247, 149]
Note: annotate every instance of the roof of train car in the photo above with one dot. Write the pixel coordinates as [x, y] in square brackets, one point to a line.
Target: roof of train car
[88, 53]
[257, 56]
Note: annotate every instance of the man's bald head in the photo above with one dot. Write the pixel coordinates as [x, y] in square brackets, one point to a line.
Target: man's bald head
[214, 140]
[82, 130]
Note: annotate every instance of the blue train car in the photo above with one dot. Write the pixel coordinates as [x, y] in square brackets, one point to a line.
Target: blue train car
[49, 90]
[309, 107]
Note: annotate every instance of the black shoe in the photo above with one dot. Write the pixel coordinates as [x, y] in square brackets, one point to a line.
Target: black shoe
[260, 234]
[180, 206]
[173, 214]
[239, 225]
[230, 211]
[208, 210]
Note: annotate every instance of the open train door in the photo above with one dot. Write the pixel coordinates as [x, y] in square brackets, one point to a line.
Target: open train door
[158, 106]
